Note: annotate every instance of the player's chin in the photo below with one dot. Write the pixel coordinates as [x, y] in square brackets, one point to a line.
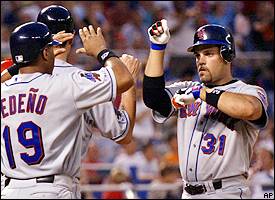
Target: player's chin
[205, 79]
[202, 76]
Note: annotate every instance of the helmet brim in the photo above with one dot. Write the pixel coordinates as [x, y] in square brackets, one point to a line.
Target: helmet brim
[54, 43]
[205, 42]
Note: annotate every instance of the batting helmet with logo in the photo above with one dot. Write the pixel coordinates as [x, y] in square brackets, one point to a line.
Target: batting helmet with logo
[28, 40]
[216, 35]
[57, 18]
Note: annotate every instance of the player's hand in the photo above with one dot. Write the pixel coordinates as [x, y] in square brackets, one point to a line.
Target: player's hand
[61, 37]
[185, 96]
[93, 41]
[133, 65]
[185, 84]
[159, 32]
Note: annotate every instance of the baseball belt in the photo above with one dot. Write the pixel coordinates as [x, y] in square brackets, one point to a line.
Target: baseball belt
[200, 188]
[44, 179]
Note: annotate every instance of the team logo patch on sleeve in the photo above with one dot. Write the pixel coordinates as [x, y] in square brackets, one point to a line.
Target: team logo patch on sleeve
[120, 117]
[93, 76]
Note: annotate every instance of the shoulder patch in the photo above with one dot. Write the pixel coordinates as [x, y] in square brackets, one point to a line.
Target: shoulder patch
[93, 76]
[120, 117]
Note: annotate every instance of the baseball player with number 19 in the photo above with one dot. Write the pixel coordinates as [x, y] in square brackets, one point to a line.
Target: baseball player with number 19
[115, 124]
[5, 65]
[218, 119]
[41, 112]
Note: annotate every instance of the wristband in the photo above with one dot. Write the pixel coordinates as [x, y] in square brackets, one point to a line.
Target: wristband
[158, 46]
[196, 90]
[13, 70]
[104, 55]
[213, 97]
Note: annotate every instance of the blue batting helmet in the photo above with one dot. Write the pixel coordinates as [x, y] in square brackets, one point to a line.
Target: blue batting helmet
[216, 35]
[57, 18]
[28, 40]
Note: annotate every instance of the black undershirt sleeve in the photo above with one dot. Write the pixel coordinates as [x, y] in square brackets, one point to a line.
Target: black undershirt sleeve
[155, 96]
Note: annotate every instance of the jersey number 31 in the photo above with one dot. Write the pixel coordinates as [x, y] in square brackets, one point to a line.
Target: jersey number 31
[34, 141]
[211, 142]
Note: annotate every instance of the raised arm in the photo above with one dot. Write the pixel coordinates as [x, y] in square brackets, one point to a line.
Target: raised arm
[159, 36]
[116, 124]
[154, 66]
[94, 45]
[154, 95]
[128, 99]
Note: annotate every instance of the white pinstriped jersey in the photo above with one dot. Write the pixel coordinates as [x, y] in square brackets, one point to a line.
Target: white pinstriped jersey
[111, 123]
[212, 145]
[41, 120]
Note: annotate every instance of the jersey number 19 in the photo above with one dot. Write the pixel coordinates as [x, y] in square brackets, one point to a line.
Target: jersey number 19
[34, 141]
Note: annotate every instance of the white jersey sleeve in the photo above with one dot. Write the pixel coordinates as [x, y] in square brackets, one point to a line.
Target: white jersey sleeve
[260, 94]
[111, 123]
[99, 81]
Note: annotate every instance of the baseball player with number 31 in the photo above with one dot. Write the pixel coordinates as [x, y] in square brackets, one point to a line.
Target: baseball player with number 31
[218, 119]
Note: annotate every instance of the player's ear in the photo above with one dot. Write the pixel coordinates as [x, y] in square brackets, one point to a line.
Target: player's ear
[46, 53]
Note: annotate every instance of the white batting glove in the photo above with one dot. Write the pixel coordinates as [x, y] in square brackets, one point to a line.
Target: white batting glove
[159, 34]
[185, 84]
[185, 96]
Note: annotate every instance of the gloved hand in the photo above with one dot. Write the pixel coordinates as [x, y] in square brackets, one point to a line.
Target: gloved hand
[185, 96]
[185, 84]
[159, 33]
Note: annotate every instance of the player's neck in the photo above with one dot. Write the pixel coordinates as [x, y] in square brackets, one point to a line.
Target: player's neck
[34, 69]
[226, 80]
[62, 56]
[222, 81]
[65, 55]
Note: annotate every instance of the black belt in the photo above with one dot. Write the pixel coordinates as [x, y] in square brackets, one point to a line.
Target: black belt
[44, 179]
[200, 188]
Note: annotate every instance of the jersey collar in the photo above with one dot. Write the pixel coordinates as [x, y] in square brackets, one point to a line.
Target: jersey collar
[23, 78]
[228, 83]
[61, 63]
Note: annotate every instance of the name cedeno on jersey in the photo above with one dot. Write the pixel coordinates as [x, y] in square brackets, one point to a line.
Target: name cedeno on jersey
[23, 103]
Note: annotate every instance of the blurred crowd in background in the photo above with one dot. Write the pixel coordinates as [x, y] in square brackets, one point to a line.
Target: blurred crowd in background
[152, 156]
